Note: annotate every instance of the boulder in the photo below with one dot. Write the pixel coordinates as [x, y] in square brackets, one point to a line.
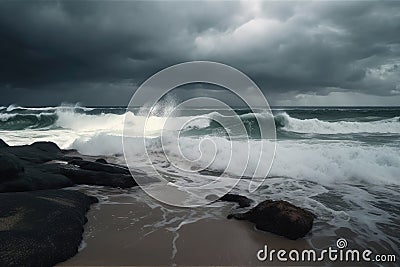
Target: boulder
[279, 217]
[41, 228]
[17, 175]
[100, 167]
[35, 179]
[40, 152]
[101, 161]
[210, 172]
[46, 146]
[10, 166]
[241, 200]
[91, 177]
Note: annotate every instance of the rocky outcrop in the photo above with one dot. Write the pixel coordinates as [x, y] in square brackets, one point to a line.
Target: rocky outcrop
[279, 217]
[18, 175]
[99, 173]
[48, 147]
[10, 166]
[41, 228]
[34, 179]
[36, 153]
[43, 165]
[97, 177]
[99, 166]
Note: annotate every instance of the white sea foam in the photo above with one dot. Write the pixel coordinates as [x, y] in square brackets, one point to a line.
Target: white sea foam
[326, 162]
[69, 119]
[99, 145]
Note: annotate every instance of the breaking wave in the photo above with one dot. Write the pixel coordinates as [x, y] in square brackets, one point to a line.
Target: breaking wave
[316, 126]
[81, 118]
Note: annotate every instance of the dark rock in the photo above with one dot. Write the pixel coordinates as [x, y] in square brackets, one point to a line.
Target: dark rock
[47, 147]
[90, 177]
[23, 168]
[3, 144]
[17, 175]
[279, 217]
[241, 200]
[39, 181]
[35, 179]
[35, 153]
[41, 228]
[43, 165]
[101, 161]
[10, 166]
[101, 167]
[67, 158]
[70, 151]
[210, 172]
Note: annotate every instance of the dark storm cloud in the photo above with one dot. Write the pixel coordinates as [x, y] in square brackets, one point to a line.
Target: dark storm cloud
[77, 50]
[317, 46]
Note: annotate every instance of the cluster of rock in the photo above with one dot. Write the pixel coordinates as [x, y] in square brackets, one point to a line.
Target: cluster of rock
[40, 223]
[43, 165]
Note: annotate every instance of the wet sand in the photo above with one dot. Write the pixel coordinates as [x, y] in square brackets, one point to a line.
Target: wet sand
[127, 234]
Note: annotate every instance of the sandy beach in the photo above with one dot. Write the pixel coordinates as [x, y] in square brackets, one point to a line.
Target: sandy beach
[131, 234]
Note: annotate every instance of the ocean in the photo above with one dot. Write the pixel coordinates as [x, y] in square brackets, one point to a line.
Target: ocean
[342, 163]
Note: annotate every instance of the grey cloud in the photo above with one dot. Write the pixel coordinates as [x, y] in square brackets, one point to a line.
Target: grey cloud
[319, 47]
[75, 50]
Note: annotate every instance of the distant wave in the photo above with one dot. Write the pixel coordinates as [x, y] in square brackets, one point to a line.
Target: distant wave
[15, 117]
[76, 117]
[26, 121]
[286, 123]
[16, 108]
[316, 126]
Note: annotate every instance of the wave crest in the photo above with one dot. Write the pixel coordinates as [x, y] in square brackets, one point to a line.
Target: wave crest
[316, 126]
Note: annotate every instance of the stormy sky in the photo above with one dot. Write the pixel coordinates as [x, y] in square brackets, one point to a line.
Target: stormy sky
[298, 53]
